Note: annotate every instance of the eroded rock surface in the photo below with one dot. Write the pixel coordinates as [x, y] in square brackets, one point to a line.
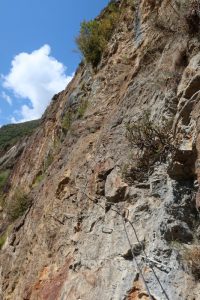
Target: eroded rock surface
[71, 243]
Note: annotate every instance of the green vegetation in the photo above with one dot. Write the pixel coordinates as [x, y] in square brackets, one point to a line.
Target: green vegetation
[82, 108]
[48, 160]
[66, 121]
[131, 3]
[4, 175]
[3, 179]
[38, 179]
[94, 35]
[4, 235]
[57, 143]
[11, 134]
[72, 115]
[19, 204]
[41, 175]
[2, 240]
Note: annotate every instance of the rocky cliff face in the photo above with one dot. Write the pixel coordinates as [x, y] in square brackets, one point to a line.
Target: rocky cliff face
[78, 172]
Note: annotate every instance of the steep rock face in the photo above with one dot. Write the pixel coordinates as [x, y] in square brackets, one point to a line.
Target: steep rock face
[71, 242]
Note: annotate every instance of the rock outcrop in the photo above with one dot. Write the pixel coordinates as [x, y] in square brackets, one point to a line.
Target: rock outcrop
[70, 243]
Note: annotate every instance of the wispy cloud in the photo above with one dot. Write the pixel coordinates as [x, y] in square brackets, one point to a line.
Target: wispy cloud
[36, 76]
[6, 97]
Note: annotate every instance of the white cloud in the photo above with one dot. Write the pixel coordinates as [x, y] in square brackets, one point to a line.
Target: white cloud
[36, 76]
[6, 97]
[14, 121]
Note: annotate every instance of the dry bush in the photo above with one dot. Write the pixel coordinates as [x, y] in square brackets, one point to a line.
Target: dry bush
[152, 143]
[191, 256]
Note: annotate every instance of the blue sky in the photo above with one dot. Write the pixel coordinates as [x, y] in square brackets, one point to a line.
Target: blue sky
[37, 52]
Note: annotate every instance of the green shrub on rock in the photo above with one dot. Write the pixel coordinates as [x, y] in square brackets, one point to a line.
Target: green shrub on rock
[18, 205]
[3, 179]
[2, 240]
[66, 121]
[39, 177]
[94, 35]
[82, 108]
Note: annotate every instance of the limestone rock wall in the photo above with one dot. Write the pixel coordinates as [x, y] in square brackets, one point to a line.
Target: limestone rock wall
[71, 243]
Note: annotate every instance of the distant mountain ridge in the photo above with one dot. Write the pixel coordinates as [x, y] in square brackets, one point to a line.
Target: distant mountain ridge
[12, 133]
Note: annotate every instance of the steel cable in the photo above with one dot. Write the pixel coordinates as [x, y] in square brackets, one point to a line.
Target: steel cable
[128, 239]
